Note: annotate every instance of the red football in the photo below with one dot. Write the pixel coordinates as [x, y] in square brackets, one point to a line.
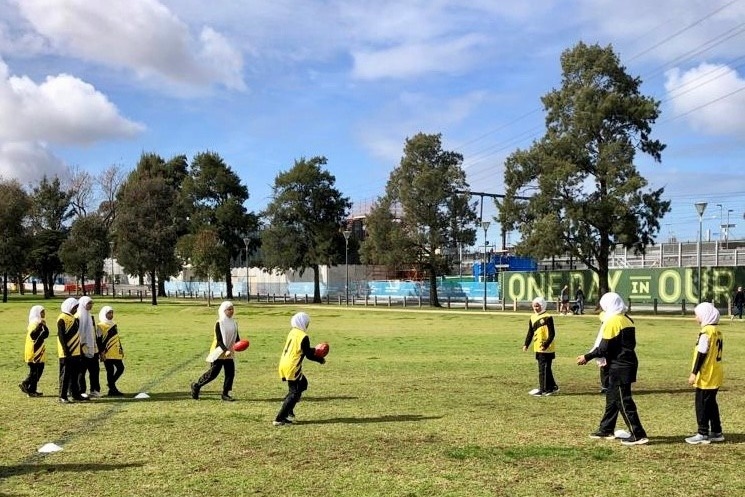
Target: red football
[322, 349]
[241, 345]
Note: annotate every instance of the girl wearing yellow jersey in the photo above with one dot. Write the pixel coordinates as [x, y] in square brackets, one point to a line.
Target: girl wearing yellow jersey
[35, 350]
[68, 351]
[110, 347]
[541, 333]
[221, 353]
[707, 375]
[297, 347]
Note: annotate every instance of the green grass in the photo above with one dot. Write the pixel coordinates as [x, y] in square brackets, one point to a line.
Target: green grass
[410, 403]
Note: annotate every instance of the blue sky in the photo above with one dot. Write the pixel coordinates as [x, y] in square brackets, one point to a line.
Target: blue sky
[88, 84]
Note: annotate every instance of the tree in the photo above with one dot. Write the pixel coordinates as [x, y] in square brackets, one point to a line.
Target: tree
[585, 195]
[304, 219]
[109, 182]
[14, 209]
[50, 212]
[146, 225]
[216, 196]
[422, 214]
[84, 250]
[80, 186]
[208, 255]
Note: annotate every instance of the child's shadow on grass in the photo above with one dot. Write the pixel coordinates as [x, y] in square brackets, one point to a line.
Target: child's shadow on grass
[394, 418]
[24, 469]
[643, 391]
[729, 438]
[181, 395]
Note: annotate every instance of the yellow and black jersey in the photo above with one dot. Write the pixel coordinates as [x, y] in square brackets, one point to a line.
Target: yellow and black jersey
[618, 346]
[68, 339]
[110, 345]
[707, 366]
[291, 361]
[542, 333]
[35, 349]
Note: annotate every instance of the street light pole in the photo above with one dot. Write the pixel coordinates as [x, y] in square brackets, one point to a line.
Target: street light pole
[726, 233]
[347, 234]
[248, 288]
[721, 223]
[700, 208]
[485, 225]
[113, 288]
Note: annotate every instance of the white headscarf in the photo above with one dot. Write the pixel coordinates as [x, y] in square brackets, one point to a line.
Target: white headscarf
[34, 315]
[228, 326]
[86, 329]
[301, 320]
[102, 315]
[68, 305]
[707, 313]
[612, 304]
[541, 302]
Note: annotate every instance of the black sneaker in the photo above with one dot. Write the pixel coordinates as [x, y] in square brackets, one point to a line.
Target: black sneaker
[227, 398]
[23, 387]
[115, 393]
[601, 434]
[633, 440]
[281, 422]
[64, 400]
[194, 391]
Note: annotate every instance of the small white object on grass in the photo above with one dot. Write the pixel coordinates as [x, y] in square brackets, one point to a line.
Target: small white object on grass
[142, 395]
[621, 434]
[49, 447]
[534, 391]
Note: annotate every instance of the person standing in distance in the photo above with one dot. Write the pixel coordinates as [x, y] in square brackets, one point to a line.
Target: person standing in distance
[739, 302]
[707, 375]
[617, 346]
[35, 350]
[68, 351]
[542, 334]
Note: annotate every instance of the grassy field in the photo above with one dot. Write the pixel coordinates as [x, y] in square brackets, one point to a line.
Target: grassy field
[409, 403]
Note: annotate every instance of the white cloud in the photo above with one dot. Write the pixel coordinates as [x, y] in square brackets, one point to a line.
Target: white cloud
[139, 35]
[413, 60]
[709, 97]
[28, 162]
[61, 110]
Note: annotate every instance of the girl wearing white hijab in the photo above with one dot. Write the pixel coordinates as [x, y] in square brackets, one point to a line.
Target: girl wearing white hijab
[68, 351]
[617, 346]
[297, 346]
[542, 334]
[35, 350]
[110, 348]
[89, 349]
[707, 375]
[221, 353]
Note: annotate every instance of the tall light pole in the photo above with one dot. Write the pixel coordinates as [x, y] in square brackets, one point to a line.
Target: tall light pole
[700, 208]
[721, 223]
[485, 225]
[246, 240]
[726, 233]
[113, 288]
[347, 234]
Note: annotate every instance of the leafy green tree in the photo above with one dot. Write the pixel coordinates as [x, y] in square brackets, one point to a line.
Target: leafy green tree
[208, 256]
[146, 227]
[85, 248]
[51, 210]
[216, 196]
[14, 209]
[421, 214]
[585, 192]
[304, 220]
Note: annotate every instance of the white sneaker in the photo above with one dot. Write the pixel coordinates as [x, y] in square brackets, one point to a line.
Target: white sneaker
[94, 395]
[535, 391]
[698, 439]
[716, 437]
[84, 395]
[632, 440]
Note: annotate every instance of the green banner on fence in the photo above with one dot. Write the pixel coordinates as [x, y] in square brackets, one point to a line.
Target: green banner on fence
[667, 285]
